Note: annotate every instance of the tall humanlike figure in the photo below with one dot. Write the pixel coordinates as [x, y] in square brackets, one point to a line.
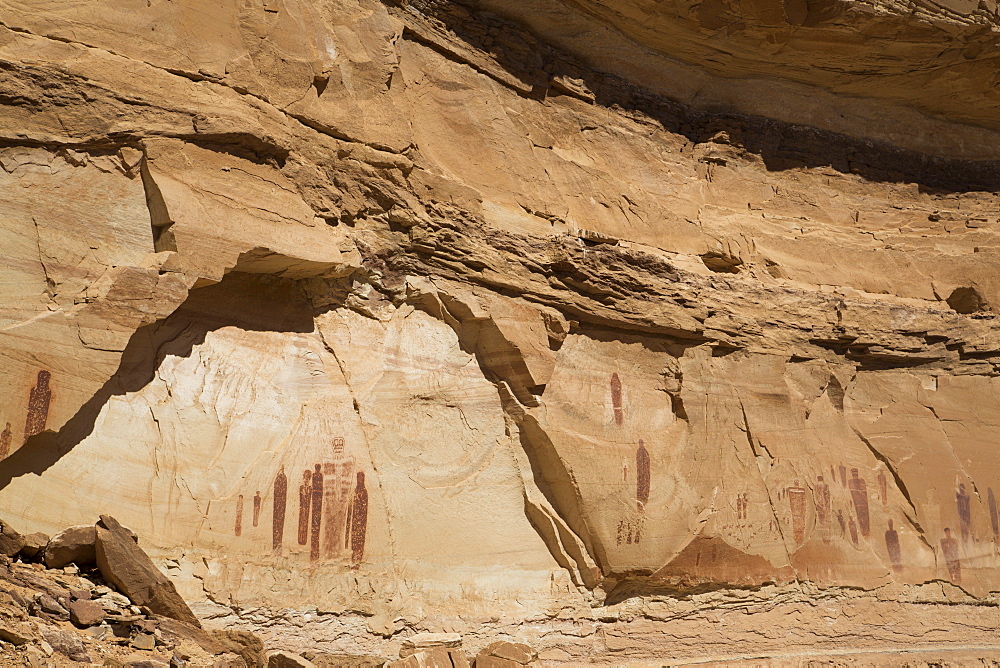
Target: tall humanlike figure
[641, 476]
[616, 399]
[822, 501]
[256, 508]
[797, 505]
[305, 502]
[38, 406]
[892, 546]
[317, 512]
[949, 547]
[964, 512]
[278, 511]
[883, 488]
[239, 515]
[359, 521]
[859, 493]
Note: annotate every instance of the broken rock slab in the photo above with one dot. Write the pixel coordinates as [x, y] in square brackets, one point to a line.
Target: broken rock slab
[11, 542]
[85, 613]
[74, 545]
[506, 655]
[282, 659]
[437, 657]
[426, 641]
[34, 545]
[123, 563]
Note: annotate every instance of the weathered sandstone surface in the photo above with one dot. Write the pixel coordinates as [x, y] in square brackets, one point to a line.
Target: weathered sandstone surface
[625, 329]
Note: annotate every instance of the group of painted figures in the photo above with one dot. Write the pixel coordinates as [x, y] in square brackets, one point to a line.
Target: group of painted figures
[856, 525]
[39, 400]
[333, 509]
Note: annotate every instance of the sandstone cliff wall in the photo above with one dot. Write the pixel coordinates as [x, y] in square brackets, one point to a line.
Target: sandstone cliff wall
[414, 315]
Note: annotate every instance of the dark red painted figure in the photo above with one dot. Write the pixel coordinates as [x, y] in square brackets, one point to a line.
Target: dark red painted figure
[305, 501]
[239, 515]
[317, 511]
[278, 512]
[854, 530]
[256, 508]
[822, 501]
[797, 505]
[949, 547]
[38, 406]
[359, 521]
[964, 512]
[859, 493]
[616, 399]
[892, 546]
[883, 488]
[641, 476]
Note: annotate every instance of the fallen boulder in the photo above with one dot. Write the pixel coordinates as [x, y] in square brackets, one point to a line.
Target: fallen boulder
[74, 545]
[11, 542]
[283, 659]
[506, 655]
[124, 564]
[426, 641]
[34, 545]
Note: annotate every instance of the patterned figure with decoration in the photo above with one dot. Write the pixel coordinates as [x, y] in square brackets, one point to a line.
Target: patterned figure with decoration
[358, 521]
[859, 494]
[337, 498]
[39, 400]
[278, 511]
[5, 439]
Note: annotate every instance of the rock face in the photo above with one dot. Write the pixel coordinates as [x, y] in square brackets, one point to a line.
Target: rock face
[457, 316]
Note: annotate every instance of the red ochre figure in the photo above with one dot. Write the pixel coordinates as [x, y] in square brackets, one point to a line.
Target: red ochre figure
[797, 504]
[843, 475]
[38, 406]
[359, 521]
[256, 508]
[317, 511]
[859, 492]
[616, 399]
[892, 546]
[840, 519]
[641, 476]
[305, 501]
[278, 512]
[949, 547]
[964, 512]
[991, 502]
[854, 530]
[822, 501]
[239, 515]
[883, 488]
[5, 439]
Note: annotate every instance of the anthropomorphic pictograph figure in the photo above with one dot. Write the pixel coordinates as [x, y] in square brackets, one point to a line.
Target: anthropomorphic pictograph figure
[616, 399]
[994, 517]
[797, 505]
[340, 477]
[892, 547]
[239, 515]
[859, 494]
[359, 521]
[278, 511]
[305, 502]
[949, 548]
[822, 501]
[317, 512]
[641, 476]
[256, 508]
[964, 512]
[39, 400]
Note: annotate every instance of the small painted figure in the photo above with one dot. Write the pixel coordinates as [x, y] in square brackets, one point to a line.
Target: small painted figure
[5, 439]
[359, 521]
[859, 493]
[317, 511]
[994, 518]
[641, 476]
[239, 515]
[305, 501]
[256, 508]
[624, 470]
[38, 406]
[883, 488]
[278, 511]
[964, 512]
[892, 546]
[840, 519]
[949, 547]
[843, 475]
[616, 399]
[822, 501]
[797, 505]
[853, 529]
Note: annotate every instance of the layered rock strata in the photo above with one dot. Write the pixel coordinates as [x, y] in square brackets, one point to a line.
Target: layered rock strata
[413, 316]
